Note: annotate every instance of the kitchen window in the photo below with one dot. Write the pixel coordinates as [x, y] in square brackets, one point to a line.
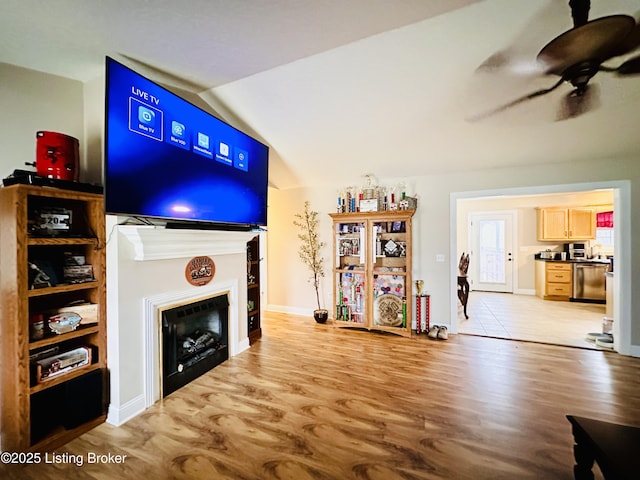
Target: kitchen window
[604, 241]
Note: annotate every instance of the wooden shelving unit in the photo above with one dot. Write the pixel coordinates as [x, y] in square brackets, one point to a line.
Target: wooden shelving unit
[372, 270]
[253, 289]
[40, 416]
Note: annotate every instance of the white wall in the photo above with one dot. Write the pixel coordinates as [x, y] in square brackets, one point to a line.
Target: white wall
[289, 290]
[433, 230]
[91, 151]
[32, 101]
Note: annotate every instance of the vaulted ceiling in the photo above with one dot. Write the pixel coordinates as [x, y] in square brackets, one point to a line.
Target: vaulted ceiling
[348, 88]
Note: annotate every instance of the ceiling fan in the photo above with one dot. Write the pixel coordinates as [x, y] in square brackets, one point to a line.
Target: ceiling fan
[578, 54]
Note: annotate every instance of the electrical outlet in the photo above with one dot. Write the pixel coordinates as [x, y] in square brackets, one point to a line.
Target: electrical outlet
[440, 257]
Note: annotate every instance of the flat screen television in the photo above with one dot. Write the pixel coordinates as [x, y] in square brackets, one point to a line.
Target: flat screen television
[167, 159]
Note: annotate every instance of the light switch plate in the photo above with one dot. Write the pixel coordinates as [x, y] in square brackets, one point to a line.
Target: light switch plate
[440, 257]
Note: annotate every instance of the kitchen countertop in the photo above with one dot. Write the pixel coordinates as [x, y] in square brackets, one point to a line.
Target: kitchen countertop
[593, 260]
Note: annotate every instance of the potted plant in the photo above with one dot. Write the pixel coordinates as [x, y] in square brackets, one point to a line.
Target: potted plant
[309, 253]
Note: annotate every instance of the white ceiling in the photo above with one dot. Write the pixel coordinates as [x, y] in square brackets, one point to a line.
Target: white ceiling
[339, 89]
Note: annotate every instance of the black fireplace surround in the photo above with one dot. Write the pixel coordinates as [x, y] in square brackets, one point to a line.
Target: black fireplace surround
[194, 340]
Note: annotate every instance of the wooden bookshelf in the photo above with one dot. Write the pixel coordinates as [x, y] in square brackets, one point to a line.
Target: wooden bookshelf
[25, 425]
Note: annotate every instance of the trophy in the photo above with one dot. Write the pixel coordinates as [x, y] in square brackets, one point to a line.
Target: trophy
[419, 285]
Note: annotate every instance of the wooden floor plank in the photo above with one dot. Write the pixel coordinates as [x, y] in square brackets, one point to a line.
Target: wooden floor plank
[311, 401]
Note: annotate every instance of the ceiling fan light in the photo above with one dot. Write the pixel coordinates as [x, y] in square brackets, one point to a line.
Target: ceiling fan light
[580, 74]
[581, 86]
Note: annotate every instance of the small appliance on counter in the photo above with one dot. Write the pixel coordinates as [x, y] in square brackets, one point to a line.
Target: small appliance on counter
[550, 255]
[576, 251]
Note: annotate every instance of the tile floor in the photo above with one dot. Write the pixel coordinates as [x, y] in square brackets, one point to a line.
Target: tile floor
[527, 317]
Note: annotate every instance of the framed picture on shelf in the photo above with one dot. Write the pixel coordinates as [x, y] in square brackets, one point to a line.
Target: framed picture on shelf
[397, 227]
[391, 248]
[369, 205]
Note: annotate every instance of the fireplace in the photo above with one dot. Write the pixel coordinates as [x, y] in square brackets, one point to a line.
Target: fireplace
[195, 339]
[146, 276]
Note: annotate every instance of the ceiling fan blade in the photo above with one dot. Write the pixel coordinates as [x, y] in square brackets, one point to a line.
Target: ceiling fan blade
[630, 67]
[517, 57]
[594, 41]
[630, 43]
[495, 62]
[513, 103]
[573, 105]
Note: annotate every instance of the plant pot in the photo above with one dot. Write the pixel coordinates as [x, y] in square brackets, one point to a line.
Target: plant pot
[321, 315]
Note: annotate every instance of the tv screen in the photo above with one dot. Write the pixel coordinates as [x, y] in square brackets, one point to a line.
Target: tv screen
[166, 158]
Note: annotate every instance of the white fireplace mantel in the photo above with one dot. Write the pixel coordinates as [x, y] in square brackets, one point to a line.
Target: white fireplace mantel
[159, 243]
[145, 273]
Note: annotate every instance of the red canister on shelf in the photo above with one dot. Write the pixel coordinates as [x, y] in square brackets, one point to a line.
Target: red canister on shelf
[57, 156]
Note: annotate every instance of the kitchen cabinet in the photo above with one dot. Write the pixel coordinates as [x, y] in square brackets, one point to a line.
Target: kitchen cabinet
[372, 270]
[554, 280]
[566, 224]
[53, 256]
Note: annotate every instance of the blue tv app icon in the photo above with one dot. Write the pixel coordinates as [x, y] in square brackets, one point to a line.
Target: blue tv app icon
[145, 120]
[146, 116]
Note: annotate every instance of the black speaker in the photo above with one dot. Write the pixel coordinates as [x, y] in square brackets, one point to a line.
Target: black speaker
[45, 407]
[83, 399]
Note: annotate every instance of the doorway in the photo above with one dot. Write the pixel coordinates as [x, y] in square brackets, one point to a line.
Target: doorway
[622, 204]
[491, 256]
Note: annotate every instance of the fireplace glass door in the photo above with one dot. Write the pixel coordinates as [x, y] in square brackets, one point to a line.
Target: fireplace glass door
[194, 340]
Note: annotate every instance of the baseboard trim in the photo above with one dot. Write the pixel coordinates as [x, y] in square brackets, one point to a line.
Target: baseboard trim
[634, 351]
[290, 310]
[525, 291]
[243, 345]
[120, 415]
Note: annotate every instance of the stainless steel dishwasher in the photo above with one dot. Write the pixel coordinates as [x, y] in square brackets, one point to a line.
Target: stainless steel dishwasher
[589, 281]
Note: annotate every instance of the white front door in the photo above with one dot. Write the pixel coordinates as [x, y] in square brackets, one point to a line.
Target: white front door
[491, 259]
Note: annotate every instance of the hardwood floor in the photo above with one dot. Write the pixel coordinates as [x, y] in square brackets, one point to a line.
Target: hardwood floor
[311, 401]
[527, 317]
